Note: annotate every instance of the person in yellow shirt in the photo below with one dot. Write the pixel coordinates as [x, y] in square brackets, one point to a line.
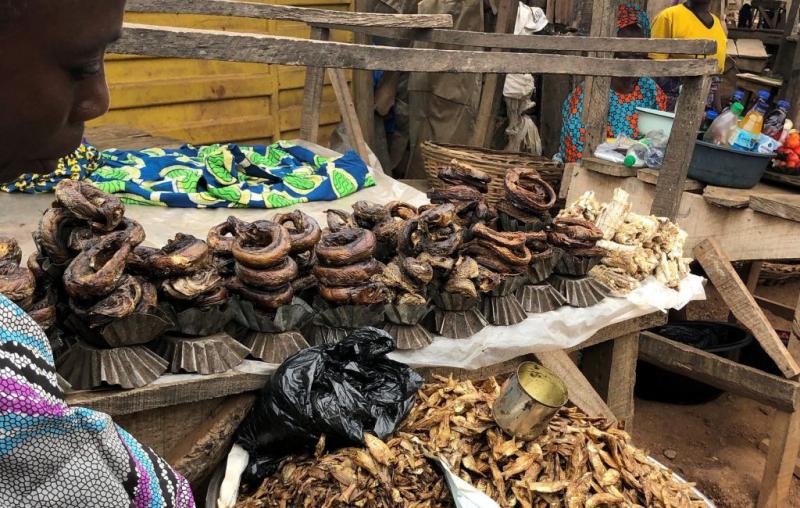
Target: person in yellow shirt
[691, 20]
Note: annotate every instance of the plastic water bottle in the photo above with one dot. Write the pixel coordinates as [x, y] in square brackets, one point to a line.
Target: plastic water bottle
[738, 96]
[725, 126]
[773, 122]
[637, 154]
[746, 138]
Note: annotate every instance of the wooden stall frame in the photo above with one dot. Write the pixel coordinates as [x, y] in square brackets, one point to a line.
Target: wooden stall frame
[616, 378]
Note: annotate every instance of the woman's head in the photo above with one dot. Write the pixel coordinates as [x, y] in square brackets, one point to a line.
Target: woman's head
[53, 78]
[632, 22]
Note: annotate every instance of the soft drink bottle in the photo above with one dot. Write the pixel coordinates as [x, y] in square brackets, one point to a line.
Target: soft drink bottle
[746, 138]
[762, 95]
[773, 122]
[726, 124]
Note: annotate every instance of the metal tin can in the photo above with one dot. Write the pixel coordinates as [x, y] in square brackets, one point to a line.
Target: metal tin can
[528, 400]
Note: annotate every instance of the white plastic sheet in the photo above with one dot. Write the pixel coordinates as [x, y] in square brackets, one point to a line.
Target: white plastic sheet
[560, 329]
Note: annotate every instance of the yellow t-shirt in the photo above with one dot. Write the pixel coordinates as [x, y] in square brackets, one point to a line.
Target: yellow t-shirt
[678, 22]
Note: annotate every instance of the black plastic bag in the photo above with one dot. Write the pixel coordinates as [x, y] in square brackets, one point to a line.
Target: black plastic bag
[340, 390]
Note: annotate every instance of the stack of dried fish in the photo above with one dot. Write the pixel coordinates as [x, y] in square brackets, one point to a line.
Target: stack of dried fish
[528, 203]
[220, 245]
[386, 222]
[407, 279]
[466, 188]
[304, 233]
[576, 242]
[350, 298]
[28, 289]
[503, 258]
[579, 462]
[537, 295]
[83, 243]
[636, 246]
[194, 293]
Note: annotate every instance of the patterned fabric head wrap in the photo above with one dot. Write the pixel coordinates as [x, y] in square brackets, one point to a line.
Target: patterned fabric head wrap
[631, 14]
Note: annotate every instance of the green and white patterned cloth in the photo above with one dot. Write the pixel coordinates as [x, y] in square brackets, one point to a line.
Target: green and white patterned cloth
[216, 176]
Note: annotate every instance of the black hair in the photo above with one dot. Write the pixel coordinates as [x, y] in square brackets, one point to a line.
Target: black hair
[10, 10]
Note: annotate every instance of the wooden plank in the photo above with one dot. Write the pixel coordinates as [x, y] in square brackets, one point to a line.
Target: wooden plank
[627, 327]
[596, 88]
[611, 368]
[719, 372]
[581, 392]
[537, 42]
[777, 308]
[741, 302]
[743, 233]
[782, 456]
[766, 36]
[680, 148]
[348, 110]
[204, 448]
[312, 97]
[727, 197]
[607, 167]
[763, 445]
[256, 48]
[363, 87]
[288, 13]
[172, 390]
[784, 206]
[650, 176]
[772, 176]
[482, 133]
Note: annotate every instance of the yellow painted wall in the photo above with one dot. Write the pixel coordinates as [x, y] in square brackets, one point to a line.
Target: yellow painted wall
[200, 101]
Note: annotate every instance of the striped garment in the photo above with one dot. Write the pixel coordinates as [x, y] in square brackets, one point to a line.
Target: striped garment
[52, 455]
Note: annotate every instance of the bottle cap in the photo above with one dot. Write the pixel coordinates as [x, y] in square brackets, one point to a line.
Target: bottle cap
[711, 114]
[629, 161]
[738, 94]
[763, 94]
[737, 108]
[784, 104]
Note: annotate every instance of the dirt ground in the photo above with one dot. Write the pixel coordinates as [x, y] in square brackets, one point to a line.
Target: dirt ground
[715, 444]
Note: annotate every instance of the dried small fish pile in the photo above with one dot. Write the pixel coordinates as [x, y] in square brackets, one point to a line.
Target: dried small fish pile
[579, 462]
[637, 246]
[466, 188]
[392, 474]
[529, 199]
[220, 245]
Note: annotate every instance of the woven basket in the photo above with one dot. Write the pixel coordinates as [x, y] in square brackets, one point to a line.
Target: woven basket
[495, 163]
[775, 273]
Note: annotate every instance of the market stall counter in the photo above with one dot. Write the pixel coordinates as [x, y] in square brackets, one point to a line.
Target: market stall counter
[189, 418]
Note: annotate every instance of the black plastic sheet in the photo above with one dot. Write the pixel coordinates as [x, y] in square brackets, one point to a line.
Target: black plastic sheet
[340, 390]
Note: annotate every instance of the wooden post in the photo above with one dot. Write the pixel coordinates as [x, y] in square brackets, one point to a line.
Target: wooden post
[348, 111]
[493, 83]
[786, 50]
[581, 392]
[315, 80]
[363, 89]
[611, 368]
[672, 176]
[784, 445]
[595, 88]
[743, 305]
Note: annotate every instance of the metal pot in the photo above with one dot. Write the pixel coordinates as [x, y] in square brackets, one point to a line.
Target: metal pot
[528, 400]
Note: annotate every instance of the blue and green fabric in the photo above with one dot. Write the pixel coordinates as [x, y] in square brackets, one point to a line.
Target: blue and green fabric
[229, 176]
[75, 166]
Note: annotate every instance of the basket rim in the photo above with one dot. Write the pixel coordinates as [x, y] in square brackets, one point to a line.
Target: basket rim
[539, 158]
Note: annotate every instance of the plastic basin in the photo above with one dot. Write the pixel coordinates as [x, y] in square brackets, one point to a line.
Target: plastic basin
[653, 119]
[726, 167]
[720, 338]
